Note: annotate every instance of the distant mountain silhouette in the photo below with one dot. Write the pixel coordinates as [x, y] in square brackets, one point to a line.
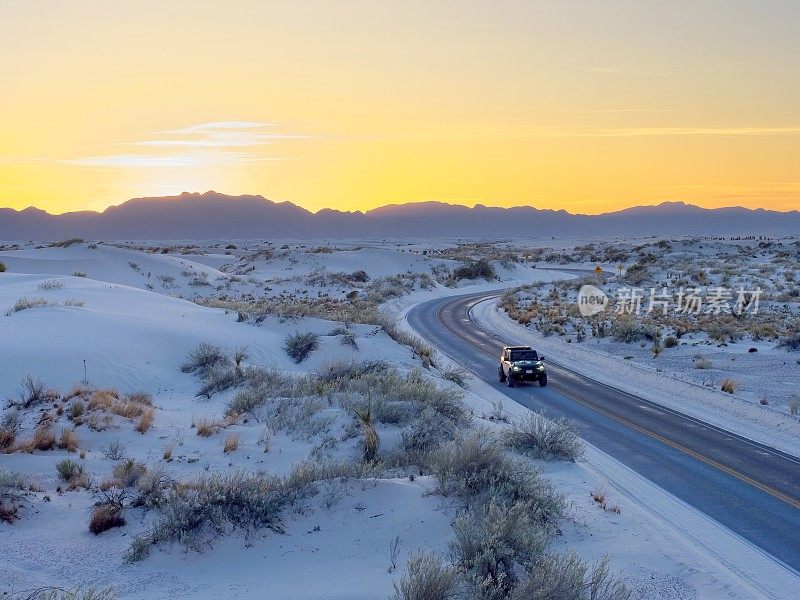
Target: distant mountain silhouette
[214, 215]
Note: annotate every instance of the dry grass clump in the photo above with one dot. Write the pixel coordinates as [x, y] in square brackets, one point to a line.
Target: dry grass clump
[729, 386]
[106, 516]
[208, 426]
[69, 440]
[539, 437]
[43, 439]
[9, 428]
[231, 443]
[145, 420]
[168, 452]
[600, 496]
[12, 484]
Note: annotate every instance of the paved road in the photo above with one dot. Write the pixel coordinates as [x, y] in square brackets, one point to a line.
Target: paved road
[750, 488]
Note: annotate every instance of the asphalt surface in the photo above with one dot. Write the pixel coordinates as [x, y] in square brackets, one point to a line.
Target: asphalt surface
[749, 488]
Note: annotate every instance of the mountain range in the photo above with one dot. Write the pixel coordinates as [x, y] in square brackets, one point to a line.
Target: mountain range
[212, 215]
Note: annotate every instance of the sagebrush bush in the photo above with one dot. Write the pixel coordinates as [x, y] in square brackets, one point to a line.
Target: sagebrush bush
[567, 577]
[212, 505]
[205, 358]
[729, 386]
[539, 437]
[299, 345]
[58, 593]
[425, 434]
[427, 578]
[480, 269]
[2, 267]
[27, 303]
[493, 543]
[476, 469]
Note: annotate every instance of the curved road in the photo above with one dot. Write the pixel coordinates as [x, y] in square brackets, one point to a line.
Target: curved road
[751, 489]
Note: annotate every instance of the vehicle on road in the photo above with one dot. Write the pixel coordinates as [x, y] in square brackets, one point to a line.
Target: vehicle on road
[521, 363]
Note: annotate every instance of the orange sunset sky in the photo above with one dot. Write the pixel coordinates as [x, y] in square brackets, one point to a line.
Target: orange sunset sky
[587, 105]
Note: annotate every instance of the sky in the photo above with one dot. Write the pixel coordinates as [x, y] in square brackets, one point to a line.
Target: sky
[589, 106]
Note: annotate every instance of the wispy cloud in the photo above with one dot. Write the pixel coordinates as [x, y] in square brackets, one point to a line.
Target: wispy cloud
[219, 134]
[184, 159]
[632, 72]
[217, 143]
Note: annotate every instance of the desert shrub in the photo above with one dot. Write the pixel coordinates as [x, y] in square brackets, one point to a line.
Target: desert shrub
[212, 505]
[670, 341]
[637, 274]
[476, 469]
[89, 593]
[113, 450]
[702, 363]
[106, 516]
[153, 487]
[11, 482]
[67, 243]
[457, 376]
[52, 284]
[27, 303]
[80, 274]
[722, 331]
[68, 470]
[248, 401]
[493, 543]
[627, 329]
[567, 577]
[219, 380]
[480, 269]
[729, 386]
[299, 345]
[539, 437]
[427, 578]
[34, 391]
[426, 434]
[128, 472]
[205, 358]
[76, 410]
[791, 342]
[2, 267]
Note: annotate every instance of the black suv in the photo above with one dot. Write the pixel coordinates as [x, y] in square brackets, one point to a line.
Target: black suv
[521, 363]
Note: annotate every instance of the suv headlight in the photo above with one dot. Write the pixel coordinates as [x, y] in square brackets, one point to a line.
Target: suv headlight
[516, 368]
[540, 368]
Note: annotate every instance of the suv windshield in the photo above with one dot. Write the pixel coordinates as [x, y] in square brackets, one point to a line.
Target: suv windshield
[523, 355]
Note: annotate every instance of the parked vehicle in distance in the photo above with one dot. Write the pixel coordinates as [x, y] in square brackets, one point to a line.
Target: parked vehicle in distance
[521, 363]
